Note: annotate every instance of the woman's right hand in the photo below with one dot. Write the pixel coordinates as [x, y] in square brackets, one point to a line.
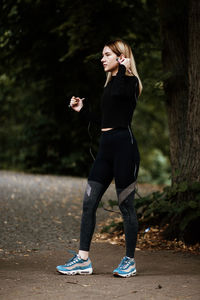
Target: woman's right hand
[76, 103]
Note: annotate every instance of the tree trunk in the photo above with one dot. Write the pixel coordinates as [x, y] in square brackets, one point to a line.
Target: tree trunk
[190, 166]
[180, 29]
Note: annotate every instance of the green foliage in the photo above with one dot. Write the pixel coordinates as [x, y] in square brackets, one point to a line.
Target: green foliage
[50, 51]
[160, 208]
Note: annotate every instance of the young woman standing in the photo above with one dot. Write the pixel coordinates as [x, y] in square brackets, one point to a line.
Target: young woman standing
[118, 157]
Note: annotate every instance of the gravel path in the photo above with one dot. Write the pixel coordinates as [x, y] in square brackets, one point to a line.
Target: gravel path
[41, 212]
[40, 220]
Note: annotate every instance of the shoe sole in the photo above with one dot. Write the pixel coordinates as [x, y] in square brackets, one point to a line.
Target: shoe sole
[77, 272]
[125, 275]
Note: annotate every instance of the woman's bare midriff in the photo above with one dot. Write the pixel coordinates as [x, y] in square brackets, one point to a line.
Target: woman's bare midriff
[106, 129]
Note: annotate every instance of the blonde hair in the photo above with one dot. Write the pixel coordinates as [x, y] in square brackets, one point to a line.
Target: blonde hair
[121, 47]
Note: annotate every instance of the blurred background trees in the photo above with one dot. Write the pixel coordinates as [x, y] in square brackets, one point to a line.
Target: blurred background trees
[51, 50]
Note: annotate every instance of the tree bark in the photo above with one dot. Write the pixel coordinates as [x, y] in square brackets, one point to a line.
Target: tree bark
[190, 165]
[180, 29]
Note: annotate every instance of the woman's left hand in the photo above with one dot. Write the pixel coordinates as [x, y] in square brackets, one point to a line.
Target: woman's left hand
[124, 61]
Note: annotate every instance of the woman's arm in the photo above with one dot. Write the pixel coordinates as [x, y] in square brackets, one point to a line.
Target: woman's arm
[86, 115]
[122, 85]
[119, 81]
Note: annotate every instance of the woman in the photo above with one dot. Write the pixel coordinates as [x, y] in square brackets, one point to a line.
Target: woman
[117, 157]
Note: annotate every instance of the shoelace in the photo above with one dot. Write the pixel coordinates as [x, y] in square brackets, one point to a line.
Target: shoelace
[124, 263]
[74, 259]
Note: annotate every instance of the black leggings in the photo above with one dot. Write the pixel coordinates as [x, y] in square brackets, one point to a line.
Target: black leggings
[117, 157]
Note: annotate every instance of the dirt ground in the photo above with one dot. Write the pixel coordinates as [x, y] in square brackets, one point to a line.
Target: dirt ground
[40, 220]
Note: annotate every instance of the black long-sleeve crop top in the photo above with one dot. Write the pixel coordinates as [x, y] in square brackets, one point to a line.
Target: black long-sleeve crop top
[117, 102]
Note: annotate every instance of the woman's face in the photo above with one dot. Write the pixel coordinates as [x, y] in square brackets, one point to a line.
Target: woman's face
[109, 60]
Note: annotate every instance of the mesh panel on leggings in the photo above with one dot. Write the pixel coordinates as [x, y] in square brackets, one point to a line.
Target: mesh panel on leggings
[123, 194]
[130, 219]
[93, 193]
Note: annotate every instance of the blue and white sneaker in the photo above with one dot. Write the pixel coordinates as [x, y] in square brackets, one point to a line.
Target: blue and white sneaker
[126, 268]
[76, 265]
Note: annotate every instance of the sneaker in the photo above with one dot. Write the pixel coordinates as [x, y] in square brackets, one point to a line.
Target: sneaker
[126, 268]
[76, 265]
